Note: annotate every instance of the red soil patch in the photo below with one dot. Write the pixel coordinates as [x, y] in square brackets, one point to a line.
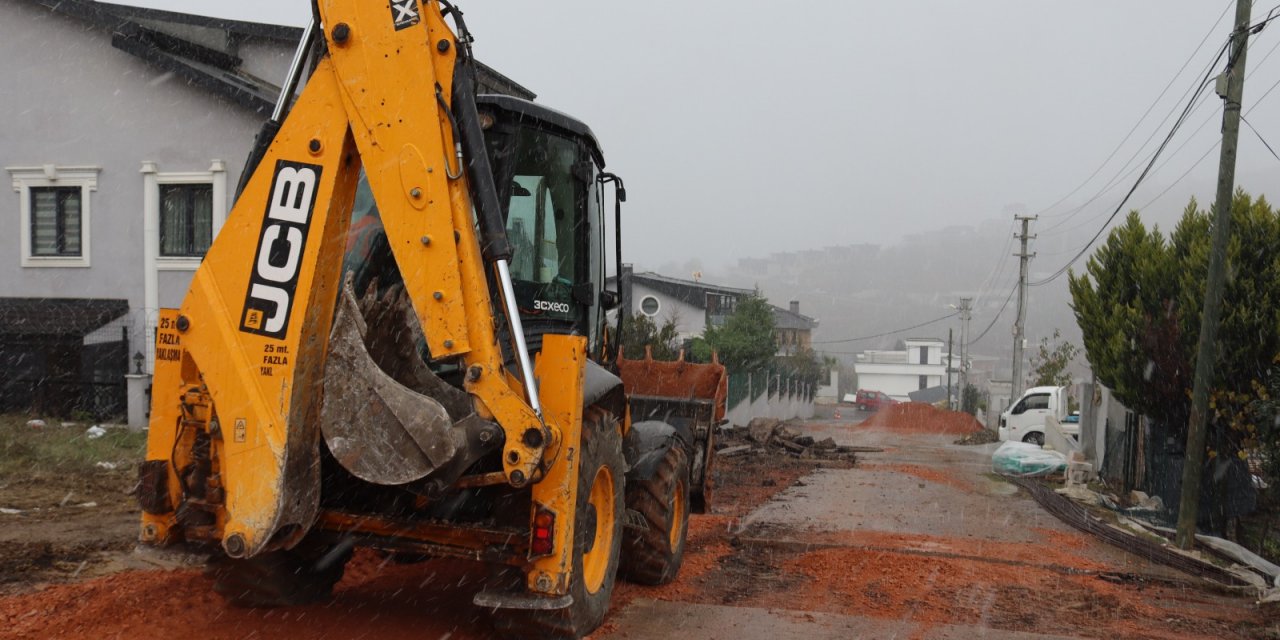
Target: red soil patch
[917, 417]
[939, 591]
[377, 598]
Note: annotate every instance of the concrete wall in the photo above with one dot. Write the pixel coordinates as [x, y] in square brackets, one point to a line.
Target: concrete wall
[784, 403]
[70, 99]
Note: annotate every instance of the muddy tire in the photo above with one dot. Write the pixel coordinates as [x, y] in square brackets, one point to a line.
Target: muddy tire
[597, 540]
[278, 578]
[653, 556]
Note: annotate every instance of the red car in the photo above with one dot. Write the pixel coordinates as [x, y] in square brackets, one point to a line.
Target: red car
[873, 400]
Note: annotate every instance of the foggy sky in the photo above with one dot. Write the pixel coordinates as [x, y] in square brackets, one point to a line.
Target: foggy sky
[744, 128]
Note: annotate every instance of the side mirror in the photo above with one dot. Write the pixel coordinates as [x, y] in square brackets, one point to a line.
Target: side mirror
[609, 300]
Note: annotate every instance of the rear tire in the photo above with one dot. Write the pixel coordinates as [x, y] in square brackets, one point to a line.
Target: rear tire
[278, 578]
[596, 549]
[653, 556]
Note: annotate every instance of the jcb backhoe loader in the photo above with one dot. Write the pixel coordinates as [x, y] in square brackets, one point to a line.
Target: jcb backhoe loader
[399, 340]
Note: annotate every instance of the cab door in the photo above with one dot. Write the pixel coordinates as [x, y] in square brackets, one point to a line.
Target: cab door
[1028, 415]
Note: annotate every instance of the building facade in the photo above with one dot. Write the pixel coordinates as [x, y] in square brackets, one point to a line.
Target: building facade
[125, 135]
[694, 305]
[918, 363]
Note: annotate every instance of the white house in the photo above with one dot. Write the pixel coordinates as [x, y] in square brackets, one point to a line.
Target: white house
[919, 363]
[125, 133]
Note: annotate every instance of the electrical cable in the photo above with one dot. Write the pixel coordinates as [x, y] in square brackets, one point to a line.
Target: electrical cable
[1177, 125]
[994, 276]
[1264, 140]
[887, 333]
[998, 313]
[1125, 170]
[1044, 212]
[1190, 137]
[1252, 30]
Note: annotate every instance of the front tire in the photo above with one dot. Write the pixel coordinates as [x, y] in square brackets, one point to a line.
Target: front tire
[1035, 438]
[653, 555]
[597, 539]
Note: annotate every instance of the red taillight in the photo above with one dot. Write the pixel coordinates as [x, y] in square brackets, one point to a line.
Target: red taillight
[544, 530]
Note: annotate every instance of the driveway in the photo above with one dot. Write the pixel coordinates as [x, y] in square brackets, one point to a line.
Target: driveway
[922, 541]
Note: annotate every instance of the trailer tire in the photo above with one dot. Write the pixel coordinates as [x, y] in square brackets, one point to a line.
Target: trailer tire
[653, 555]
[601, 480]
[278, 578]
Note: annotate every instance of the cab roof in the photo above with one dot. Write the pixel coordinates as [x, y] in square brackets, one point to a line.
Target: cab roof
[527, 110]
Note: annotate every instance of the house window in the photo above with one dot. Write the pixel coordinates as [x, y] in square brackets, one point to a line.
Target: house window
[924, 355]
[55, 221]
[924, 382]
[649, 306]
[53, 203]
[182, 212]
[186, 219]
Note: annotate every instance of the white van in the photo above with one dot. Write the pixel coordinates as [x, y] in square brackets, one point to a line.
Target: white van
[1024, 420]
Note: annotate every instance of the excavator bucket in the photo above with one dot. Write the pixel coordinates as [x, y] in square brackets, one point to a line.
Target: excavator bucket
[688, 396]
[379, 429]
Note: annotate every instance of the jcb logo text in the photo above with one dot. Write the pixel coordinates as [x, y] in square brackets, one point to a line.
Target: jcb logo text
[283, 239]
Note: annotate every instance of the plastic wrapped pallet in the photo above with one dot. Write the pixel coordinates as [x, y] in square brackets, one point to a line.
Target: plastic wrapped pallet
[1026, 460]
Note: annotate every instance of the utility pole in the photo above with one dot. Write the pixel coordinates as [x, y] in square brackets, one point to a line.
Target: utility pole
[1206, 351]
[1019, 323]
[964, 346]
[950, 333]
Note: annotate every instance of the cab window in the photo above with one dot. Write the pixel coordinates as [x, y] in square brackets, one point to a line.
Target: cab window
[1037, 401]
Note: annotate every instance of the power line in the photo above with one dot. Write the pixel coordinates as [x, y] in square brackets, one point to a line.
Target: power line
[1145, 172]
[993, 320]
[1125, 171]
[1264, 140]
[887, 333]
[994, 275]
[1253, 30]
[1191, 137]
[1137, 124]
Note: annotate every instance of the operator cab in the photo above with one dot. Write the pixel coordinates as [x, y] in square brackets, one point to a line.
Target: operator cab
[546, 168]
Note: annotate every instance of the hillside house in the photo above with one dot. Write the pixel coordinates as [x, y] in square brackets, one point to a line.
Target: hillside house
[918, 363]
[693, 305]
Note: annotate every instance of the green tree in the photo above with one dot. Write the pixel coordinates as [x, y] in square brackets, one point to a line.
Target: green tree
[746, 341]
[806, 367]
[1049, 365]
[971, 400]
[640, 331]
[1139, 302]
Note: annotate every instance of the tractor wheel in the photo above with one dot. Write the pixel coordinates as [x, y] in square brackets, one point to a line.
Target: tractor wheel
[279, 578]
[597, 539]
[653, 555]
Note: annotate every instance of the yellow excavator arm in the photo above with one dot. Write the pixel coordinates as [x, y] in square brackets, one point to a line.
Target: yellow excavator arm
[255, 365]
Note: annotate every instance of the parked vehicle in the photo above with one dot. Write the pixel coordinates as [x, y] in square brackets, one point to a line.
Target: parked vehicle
[1024, 420]
[871, 400]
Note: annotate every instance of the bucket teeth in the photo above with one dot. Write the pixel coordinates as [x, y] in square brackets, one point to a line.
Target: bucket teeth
[379, 429]
[393, 340]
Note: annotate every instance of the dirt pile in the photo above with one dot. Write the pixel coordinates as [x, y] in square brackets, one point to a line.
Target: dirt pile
[917, 417]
